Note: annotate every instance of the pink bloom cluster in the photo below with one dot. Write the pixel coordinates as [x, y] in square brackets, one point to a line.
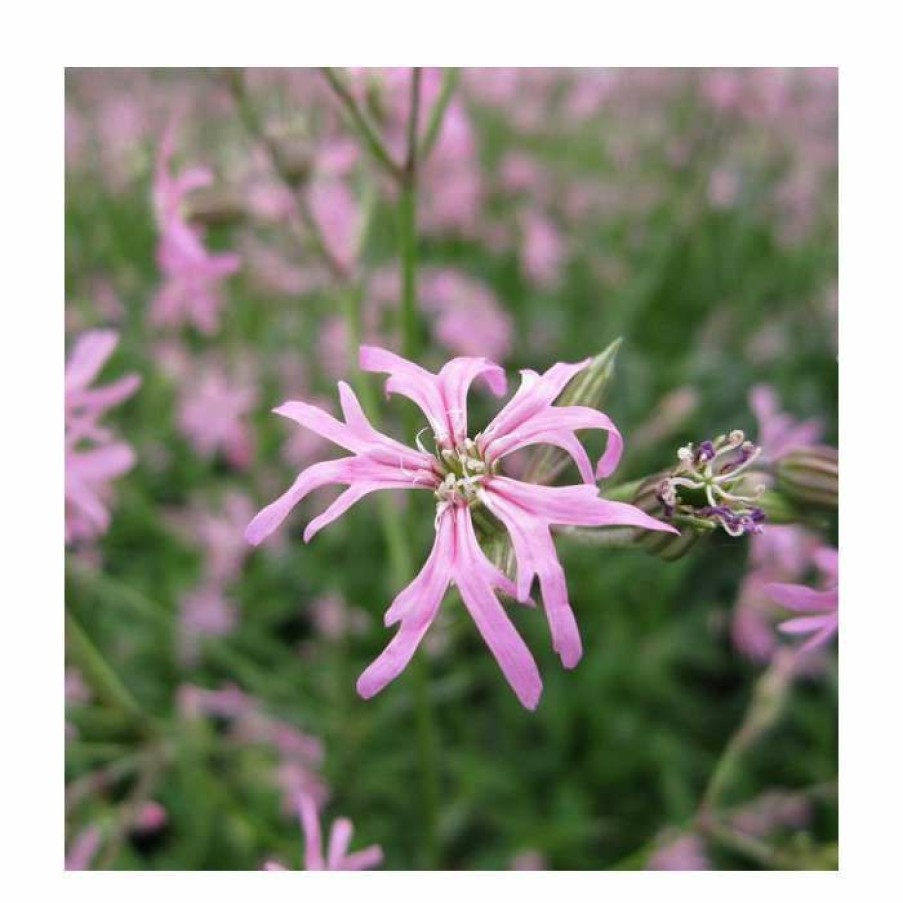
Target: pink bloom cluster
[192, 274]
[93, 458]
[337, 858]
[464, 473]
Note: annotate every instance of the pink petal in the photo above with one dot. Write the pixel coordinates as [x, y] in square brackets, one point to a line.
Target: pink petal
[415, 606]
[362, 860]
[339, 839]
[533, 395]
[536, 556]
[310, 824]
[474, 576]
[349, 497]
[802, 598]
[267, 520]
[410, 380]
[88, 357]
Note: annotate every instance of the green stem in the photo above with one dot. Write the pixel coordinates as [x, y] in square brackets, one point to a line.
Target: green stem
[766, 705]
[410, 345]
[359, 122]
[449, 83]
[407, 239]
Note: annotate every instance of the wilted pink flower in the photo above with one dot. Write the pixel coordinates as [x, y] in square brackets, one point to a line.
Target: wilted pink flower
[213, 416]
[818, 608]
[191, 273]
[337, 858]
[463, 473]
[93, 459]
[83, 849]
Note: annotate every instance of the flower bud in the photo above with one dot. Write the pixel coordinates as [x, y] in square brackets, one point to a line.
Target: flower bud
[214, 207]
[809, 476]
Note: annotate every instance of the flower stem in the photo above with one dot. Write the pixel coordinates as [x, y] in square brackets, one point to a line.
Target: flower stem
[105, 682]
[410, 345]
[766, 705]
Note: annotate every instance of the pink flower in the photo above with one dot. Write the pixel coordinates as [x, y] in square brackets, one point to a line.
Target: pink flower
[779, 553]
[83, 849]
[93, 459]
[543, 251]
[192, 275]
[204, 612]
[684, 853]
[337, 858]
[464, 473]
[818, 608]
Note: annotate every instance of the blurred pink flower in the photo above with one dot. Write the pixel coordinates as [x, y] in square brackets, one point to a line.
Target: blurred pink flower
[93, 459]
[334, 618]
[462, 473]
[339, 218]
[779, 432]
[771, 811]
[204, 612]
[83, 849]
[337, 857]
[468, 318]
[684, 853]
[542, 249]
[779, 553]
[299, 754]
[213, 413]
[817, 608]
[218, 532]
[528, 861]
[190, 292]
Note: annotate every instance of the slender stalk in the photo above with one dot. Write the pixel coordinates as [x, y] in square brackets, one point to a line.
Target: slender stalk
[359, 122]
[410, 345]
[765, 707]
[105, 682]
[434, 127]
[255, 127]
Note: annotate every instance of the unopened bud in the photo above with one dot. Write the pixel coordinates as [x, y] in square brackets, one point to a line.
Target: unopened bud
[809, 476]
[215, 207]
[295, 161]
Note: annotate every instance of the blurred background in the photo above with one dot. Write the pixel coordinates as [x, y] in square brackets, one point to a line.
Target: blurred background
[691, 212]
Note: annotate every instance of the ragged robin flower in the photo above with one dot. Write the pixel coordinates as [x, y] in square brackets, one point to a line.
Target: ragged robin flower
[465, 474]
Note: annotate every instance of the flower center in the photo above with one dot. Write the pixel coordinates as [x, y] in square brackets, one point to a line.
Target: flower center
[463, 470]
